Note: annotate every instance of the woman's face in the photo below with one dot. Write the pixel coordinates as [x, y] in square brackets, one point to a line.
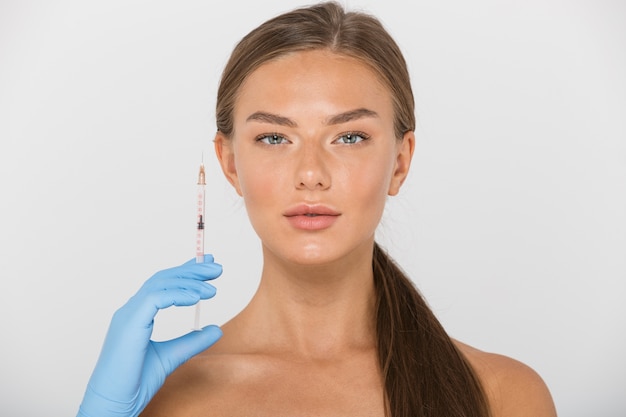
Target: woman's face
[314, 155]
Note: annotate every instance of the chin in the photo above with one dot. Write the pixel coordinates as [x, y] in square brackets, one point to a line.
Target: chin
[307, 255]
[312, 257]
[321, 253]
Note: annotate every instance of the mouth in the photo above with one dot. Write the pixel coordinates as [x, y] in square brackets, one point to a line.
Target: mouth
[311, 218]
[308, 210]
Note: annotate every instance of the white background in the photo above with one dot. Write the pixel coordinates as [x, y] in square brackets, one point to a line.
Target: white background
[512, 223]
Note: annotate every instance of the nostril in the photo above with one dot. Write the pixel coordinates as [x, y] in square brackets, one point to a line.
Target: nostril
[311, 185]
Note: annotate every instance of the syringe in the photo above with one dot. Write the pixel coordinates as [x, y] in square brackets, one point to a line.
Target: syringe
[200, 233]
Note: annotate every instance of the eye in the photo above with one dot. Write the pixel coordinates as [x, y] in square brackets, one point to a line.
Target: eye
[350, 138]
[272, 139]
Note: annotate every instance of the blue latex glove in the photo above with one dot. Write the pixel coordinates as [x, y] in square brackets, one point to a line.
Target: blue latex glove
[131, 367]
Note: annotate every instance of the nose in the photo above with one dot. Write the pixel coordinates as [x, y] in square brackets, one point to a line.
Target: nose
[312, 171]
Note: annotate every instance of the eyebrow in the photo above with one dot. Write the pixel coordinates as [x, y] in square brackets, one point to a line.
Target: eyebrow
[350, 115]
[344, 117]
[274, 119]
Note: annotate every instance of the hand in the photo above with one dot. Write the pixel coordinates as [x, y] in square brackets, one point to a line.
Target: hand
[131, 367]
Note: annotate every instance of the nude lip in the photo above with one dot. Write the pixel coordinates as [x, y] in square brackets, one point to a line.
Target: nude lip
[311, 217]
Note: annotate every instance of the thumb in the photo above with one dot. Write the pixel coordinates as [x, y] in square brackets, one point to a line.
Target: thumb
[174, 353]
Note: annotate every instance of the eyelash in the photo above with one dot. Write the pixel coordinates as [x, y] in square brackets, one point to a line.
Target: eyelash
[267, 137]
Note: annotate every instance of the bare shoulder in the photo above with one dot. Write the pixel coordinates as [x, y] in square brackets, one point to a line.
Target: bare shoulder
[513, 388]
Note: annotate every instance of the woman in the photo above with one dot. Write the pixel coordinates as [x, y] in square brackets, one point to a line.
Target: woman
[315, 122]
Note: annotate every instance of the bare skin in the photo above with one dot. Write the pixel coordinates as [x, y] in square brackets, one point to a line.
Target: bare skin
[252, 372]
[316, 129]
[283, 383]
[260, 368]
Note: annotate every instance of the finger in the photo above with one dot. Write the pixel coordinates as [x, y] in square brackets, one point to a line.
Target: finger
[174, 353]
[162, 283]
[179, 297]
[199, 271]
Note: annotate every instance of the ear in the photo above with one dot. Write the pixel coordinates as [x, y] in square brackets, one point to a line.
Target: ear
[403, 162]
[226, 157]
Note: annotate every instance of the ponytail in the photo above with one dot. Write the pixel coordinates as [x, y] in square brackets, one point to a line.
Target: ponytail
[424, 374]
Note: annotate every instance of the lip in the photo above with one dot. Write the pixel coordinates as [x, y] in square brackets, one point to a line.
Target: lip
[311, 216]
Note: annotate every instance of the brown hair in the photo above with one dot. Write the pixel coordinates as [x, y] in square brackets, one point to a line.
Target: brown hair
[424, 373]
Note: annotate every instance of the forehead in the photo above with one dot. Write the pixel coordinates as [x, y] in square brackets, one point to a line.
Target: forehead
[313, 82]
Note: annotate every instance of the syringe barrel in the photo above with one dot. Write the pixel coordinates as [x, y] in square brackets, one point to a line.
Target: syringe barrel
[200, 224]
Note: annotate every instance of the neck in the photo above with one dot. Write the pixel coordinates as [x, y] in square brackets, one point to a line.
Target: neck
[317, 311]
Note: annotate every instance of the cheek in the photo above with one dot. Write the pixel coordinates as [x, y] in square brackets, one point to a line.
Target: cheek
[258, 183]
[374, 176]
[368, 185]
